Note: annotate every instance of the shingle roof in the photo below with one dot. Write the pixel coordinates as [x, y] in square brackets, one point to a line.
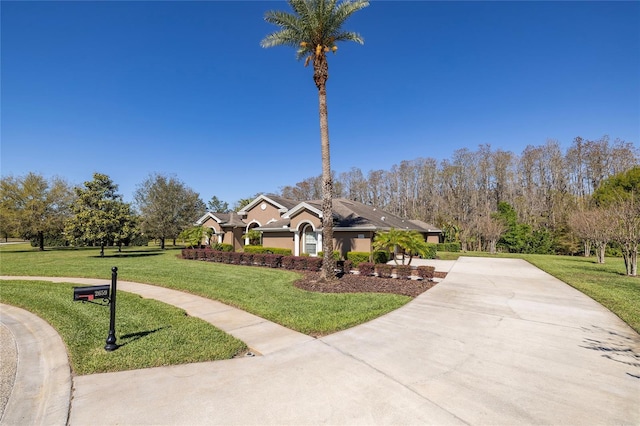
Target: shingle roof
[353, 214]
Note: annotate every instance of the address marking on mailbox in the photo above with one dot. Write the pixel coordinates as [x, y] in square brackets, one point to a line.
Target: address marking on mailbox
[91, 292]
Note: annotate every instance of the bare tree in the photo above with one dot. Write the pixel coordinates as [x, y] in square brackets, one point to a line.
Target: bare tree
[593, 228]
[490, 229]
[625, 215]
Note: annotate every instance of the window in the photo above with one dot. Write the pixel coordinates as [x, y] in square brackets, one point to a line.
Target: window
[310, 241]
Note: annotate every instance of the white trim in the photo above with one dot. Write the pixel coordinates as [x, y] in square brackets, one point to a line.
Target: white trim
[303, 227]
[303, 206]
[296, 243]
[206, 216]
[261, 197]
[246, 230]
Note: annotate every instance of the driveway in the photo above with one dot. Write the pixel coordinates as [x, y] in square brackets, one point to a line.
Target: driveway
[497, 342]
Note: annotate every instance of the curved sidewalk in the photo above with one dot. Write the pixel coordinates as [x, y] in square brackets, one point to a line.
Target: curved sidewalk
[496, 342]
[41, 390]
[260, 335]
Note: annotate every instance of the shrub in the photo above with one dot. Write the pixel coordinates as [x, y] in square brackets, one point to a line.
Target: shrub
[403, 272]
[430, 252]
[357, 257]
[267, 250]
[381, 256]
[273, 260]
[225, 256]
[348, 266]
[209, 255]
[425, 272]
[287, 262]
[235, 257]
[314, 264]
[383, 270]
[258, 259]
[451, 247]
[365, 268]
[247, 258]
[222, 247]
[219, 256]
[300, 262]
[336, 255]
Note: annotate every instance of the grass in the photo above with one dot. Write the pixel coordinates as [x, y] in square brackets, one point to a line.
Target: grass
[606, 284]
[269, 293]
[150, 333]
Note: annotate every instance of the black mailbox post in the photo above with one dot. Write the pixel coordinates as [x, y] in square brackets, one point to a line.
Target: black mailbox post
[90, 293]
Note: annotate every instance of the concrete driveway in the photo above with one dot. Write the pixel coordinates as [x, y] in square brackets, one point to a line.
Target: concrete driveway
[497, 342]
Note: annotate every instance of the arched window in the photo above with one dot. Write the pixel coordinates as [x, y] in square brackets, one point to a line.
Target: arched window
[310, 240]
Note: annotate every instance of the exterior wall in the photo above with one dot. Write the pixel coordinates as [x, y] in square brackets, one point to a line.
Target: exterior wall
[278, 240]
[346, 241]
[234, 237]
[262, 216]
[305, 216]
[210, 223]
[433, 238]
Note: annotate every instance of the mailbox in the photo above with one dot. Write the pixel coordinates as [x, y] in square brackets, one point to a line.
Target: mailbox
[91, 292]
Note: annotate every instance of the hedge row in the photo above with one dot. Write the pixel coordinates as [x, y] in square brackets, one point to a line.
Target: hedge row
[255, 259]
[402, 271]
[267, 250]
[451, 247]
[304, 263]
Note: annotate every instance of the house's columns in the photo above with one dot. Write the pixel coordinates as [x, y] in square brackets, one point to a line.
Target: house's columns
[319, 243]
[296, 243]
[220, 238]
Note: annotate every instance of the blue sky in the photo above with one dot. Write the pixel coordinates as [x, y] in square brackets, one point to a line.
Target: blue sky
[184, 88]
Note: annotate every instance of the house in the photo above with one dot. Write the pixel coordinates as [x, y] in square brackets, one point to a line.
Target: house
[297, 225]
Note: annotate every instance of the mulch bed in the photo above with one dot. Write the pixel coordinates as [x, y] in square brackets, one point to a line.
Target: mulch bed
[349, 283]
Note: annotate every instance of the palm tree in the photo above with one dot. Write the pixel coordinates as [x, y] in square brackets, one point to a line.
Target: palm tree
[314, 28]
[409, 242]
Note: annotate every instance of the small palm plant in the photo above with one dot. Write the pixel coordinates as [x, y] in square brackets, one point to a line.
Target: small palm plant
[408, 243]
[314, 28]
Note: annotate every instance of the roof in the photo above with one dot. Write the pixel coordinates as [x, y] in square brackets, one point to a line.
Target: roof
[224, 219]
[347, 214]
[356, 215]
[283, 204]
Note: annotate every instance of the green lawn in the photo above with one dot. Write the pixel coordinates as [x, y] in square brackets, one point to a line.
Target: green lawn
[607, 284]
[150, 333]
[266, 292]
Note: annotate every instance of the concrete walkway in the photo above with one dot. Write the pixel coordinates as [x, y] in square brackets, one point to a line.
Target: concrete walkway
[497, 342]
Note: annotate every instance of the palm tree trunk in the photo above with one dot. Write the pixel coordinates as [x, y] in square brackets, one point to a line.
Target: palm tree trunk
[320, 76]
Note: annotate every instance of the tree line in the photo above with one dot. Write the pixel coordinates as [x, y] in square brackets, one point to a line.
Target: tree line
[53, 213]
[491, 199]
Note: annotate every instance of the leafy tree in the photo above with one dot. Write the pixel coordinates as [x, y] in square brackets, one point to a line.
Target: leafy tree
[167, 207]
[618, 187]
[314, 28]
[217, 205]
[514, 239]
[408, 243]
[33, 207]
[100, 215]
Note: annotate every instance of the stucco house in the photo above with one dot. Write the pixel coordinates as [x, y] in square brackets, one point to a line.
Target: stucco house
[297, 225]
